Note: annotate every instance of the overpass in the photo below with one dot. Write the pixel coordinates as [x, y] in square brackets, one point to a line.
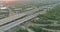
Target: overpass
[16, 20]
[12, 21]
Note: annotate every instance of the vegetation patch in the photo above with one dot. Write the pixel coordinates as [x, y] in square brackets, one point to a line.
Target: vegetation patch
[38, 29]
[22, 30]
[54, 14]
[51, 27]
[42, 20]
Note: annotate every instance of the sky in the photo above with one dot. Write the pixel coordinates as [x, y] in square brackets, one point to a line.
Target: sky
[27, 1]
[8, 1]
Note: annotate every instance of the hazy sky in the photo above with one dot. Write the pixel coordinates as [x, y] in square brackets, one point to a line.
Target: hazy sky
[29, 1]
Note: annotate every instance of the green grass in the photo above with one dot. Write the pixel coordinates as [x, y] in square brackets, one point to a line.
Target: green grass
[22, 30]
[41, 20]
[52, 27]
[38, 29]
[53, 14]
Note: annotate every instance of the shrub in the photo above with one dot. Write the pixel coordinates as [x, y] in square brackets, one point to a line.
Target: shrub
[22, 30]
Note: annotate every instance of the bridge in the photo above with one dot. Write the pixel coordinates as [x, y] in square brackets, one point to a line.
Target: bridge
[16, 20]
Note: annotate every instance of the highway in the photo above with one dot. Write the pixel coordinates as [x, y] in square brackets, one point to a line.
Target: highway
[12, 18]
[12, 22]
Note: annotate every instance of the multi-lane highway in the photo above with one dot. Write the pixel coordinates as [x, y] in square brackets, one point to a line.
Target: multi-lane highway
[10, 22]
[18, 16]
